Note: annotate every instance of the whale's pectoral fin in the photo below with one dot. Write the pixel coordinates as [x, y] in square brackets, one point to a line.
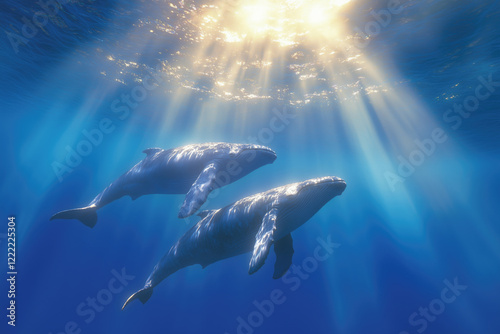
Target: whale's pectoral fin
[263, 241]
[199, 191]
[284, 252]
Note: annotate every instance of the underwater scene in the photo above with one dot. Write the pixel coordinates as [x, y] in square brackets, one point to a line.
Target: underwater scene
[240, 167]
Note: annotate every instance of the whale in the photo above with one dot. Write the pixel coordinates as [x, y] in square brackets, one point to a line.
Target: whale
[195, 170]
[252, 224]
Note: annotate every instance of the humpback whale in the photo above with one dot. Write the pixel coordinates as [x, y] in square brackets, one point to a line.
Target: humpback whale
[194, 170]
[251, 224]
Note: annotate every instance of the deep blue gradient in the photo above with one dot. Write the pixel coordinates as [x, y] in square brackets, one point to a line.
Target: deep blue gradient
[398, 244]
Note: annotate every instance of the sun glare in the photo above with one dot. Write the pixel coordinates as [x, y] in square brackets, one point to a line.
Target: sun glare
[317, 15]
[275, 20]
[256, 13]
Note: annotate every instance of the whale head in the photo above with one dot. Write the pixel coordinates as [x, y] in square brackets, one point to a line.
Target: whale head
[247, 158]
[300, 201]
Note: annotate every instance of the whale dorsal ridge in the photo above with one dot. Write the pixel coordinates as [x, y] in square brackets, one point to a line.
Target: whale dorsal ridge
[204, 213]
[263, 240]
[150, 151]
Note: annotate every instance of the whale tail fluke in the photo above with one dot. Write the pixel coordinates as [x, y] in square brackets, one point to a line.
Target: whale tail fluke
[143, 295]
[87, 215]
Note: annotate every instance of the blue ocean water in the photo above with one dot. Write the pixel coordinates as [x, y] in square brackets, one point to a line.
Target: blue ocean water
[400, 99]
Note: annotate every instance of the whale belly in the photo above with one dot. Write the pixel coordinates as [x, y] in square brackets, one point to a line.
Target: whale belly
[161, 180]
[219, 238]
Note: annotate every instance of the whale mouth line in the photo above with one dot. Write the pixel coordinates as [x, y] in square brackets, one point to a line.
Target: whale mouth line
[337, 181]
[326, 182]
[261, 150]
[269, 151]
